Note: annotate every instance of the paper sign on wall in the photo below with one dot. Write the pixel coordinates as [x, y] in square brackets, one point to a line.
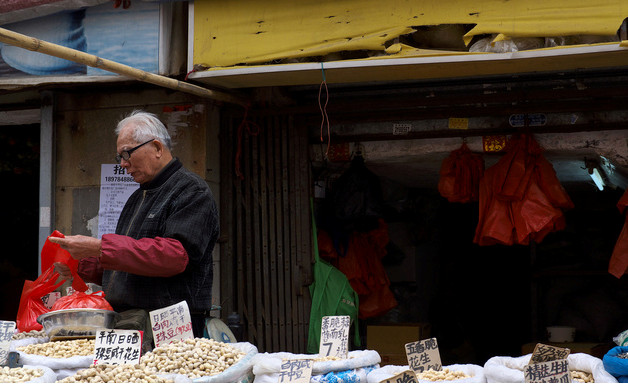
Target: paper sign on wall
[556, 371]
[404, 377]
[115, 188]
[423, 355]
[117, 346]
[295, 371]
[172, 323]
[7, 329]
[544, 352]
[335, 336]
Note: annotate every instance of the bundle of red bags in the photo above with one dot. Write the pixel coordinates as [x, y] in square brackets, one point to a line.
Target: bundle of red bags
[521, 199]
[31, 305]
[460, 175]
[76, 300]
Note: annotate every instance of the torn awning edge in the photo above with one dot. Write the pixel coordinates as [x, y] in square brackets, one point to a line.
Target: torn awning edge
[417, 67]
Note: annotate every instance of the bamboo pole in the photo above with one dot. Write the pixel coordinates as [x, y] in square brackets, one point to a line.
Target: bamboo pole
[37, 45]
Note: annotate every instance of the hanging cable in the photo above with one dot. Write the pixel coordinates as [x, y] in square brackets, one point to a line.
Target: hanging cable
[323, 108]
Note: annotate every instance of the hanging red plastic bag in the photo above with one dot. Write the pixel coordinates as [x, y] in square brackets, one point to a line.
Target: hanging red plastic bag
[53, 253]
[31, 305]
[460, 175]
[76, 300]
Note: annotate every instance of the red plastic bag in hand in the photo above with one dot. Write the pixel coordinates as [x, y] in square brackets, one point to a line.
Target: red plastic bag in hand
[95, 300]
[31, 305]
[52, 253]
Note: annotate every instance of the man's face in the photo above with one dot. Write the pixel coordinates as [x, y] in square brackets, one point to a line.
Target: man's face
[143, 164]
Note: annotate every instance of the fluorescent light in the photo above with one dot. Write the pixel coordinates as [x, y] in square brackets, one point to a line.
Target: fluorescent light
[597, 179]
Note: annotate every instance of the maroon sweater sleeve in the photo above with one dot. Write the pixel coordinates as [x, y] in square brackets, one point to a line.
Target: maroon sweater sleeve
[90, 270]
[159, 256]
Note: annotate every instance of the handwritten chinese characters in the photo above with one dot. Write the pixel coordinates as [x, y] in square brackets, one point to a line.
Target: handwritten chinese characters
[544, 352]
[335, 336]
[7, 329]
[172, 323]
[556, 371]
[423, 355]
[117, 346]
[295, 371]
[403, 377]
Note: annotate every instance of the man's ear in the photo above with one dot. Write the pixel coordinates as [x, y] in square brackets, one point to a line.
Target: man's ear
[160, 148]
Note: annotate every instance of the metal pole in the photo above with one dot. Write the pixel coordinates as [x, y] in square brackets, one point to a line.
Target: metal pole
[37, 45]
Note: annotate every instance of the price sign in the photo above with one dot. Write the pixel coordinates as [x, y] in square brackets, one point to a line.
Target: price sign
[494, 144]
[401, 129]
[543, 352]
[172, 323]
[50, 299]
[295, 371]
[424, 355]
[7, 329]
[556, 371]
[458, 123]
[117, 346]
[404, 377]
[335, 336]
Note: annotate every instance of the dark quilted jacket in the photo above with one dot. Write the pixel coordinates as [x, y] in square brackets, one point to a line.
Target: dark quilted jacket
[176, 204]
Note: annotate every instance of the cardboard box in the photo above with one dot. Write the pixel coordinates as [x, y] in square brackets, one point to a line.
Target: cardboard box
[390, 340]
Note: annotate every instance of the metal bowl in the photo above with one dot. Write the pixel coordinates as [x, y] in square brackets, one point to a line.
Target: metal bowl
[76, 323]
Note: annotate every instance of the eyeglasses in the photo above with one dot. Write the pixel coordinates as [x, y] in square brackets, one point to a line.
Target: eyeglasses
[127, 154]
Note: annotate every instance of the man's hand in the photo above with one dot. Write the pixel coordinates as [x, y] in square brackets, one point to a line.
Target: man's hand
[63, 270]
[79, 246]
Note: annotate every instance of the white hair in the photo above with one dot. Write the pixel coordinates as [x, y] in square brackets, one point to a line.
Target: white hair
[147, 126]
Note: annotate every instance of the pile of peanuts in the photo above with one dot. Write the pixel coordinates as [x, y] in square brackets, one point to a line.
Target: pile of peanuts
[29, 334]
[19, 375]
[443, 375]
[107, 373]
[582, 377]
[194, 358]
[61, 349]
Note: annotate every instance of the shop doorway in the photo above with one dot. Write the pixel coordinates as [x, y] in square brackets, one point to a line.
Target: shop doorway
[19, 172]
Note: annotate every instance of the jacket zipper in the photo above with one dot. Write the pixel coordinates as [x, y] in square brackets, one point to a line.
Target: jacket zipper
[127, 233]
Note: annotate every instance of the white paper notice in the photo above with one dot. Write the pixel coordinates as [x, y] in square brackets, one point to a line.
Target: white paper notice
[172, 323]
[115, 188]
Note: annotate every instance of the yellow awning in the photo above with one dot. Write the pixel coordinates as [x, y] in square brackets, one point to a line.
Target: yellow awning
[229, 33]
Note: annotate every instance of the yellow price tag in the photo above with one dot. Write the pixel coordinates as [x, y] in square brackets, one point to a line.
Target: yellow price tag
[458, 123]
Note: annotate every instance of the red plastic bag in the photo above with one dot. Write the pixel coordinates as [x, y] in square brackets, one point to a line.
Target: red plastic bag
[94, 300]
[52, 253]
[31, 305]
[460, 175]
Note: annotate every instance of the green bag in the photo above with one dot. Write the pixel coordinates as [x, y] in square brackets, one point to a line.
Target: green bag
[331, 294]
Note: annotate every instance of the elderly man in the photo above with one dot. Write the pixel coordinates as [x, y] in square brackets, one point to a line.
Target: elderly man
[161, 253]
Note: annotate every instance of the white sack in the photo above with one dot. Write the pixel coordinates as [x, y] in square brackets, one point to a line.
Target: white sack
[266, 366]
[240, 372]
[503, 369]
[475, 372]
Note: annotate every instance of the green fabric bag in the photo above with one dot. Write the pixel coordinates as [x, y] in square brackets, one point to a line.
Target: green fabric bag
[331, 294]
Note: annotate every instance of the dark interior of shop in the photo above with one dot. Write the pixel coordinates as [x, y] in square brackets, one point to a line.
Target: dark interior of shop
[485, 301]
[19, 171]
